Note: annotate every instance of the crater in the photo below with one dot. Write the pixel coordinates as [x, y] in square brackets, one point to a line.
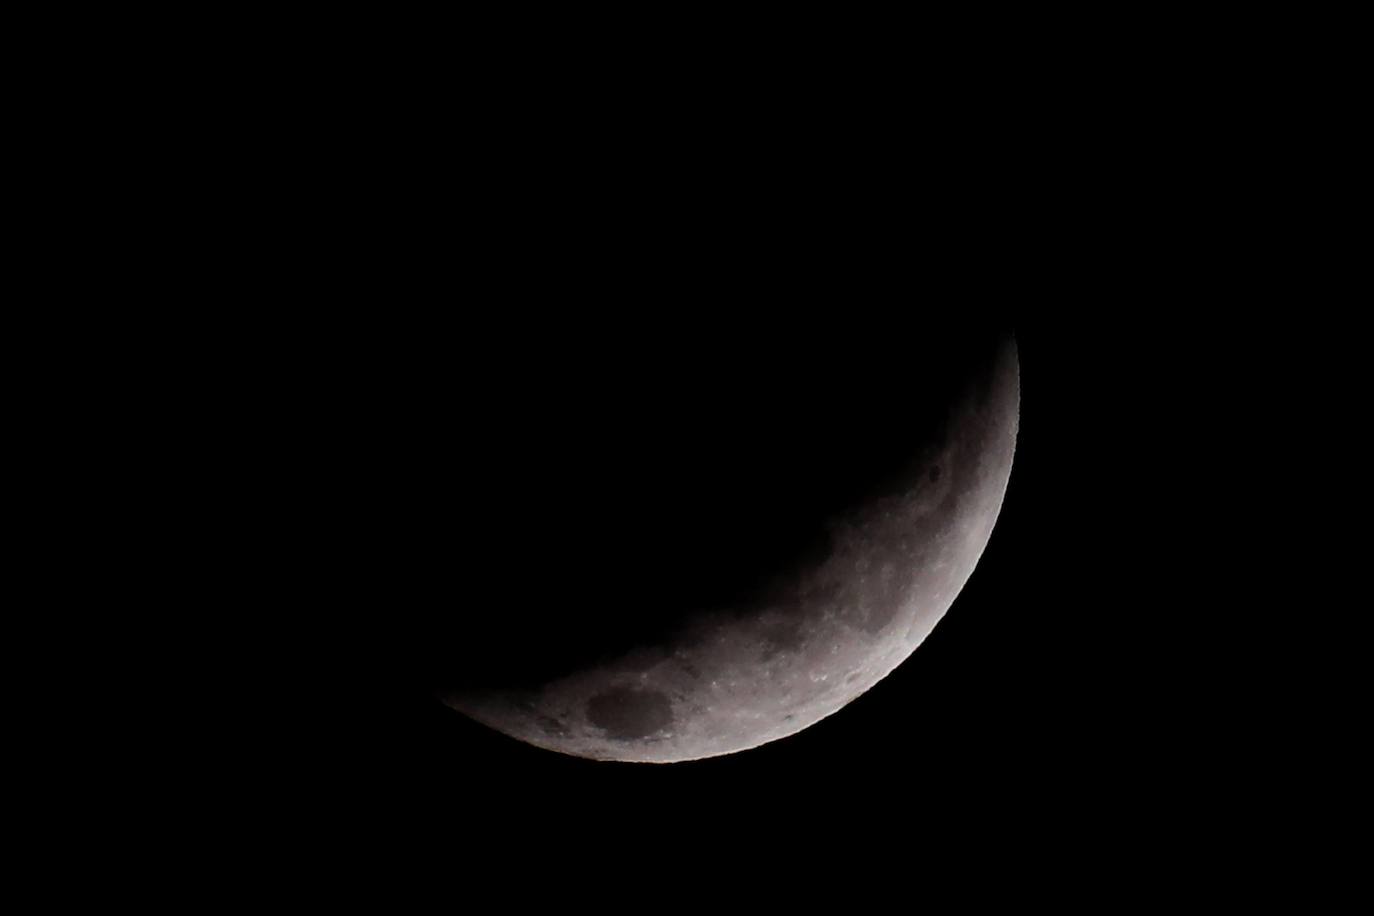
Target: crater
[782, 637]
[551, 726]
[882, 610]
[627, 713]
[934, 473]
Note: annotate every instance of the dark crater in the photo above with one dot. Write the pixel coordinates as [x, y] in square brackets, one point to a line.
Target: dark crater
[783, 637]
[627, 713]
[551, 726]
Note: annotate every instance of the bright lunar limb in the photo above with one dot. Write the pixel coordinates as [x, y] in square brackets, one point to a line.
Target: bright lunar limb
[734, 679]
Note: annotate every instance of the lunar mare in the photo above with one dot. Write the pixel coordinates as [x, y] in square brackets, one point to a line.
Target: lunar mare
[737, 678]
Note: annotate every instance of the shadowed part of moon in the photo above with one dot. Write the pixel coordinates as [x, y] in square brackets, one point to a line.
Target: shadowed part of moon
[627, 714]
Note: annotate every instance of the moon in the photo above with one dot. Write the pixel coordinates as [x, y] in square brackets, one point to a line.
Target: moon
[766, 663]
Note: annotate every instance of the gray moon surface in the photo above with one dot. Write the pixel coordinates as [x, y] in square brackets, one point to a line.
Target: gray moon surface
[726, 682]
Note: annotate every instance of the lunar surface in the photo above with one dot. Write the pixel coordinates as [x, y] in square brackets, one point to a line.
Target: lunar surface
[730, 678]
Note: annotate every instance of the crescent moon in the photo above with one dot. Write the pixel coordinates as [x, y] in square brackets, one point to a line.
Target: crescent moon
[733, 680]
